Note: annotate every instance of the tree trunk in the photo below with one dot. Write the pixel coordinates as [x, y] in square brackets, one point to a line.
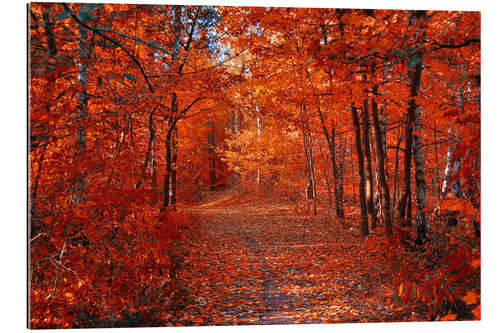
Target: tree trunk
[362, 195]
[447, 170]
[168, 168]
[378, 190]
[330, 139]
[171, 127]
[327, 181]
[338, 178]
[407, 174]
[173, 180]
[369, 175]
[343, 165]
[414, 75]
[396, 172]
[154, 184]
[386, 201]
[337, 184]
[211, 156]
[414, 116]
[258, 144]
[309, 153]
[420, 195]
[435, 178]
[352, 171]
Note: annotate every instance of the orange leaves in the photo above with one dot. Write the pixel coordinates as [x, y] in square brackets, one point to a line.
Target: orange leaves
[448, 317]
[476, 263]
[458, 205]
[115, 250]
[477, 312]
[443, 275]
[471, 297]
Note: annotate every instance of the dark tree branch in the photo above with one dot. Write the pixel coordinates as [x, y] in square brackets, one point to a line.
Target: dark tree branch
[152, 45]
[456, 46]
[114, 41]
[193, 103]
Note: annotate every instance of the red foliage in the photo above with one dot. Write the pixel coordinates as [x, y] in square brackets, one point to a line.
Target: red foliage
[138, 112]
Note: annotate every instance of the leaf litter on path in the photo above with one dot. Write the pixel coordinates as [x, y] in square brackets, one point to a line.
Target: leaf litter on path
[256, 265]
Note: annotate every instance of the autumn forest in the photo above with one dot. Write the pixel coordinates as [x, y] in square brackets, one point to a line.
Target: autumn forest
[198, 165]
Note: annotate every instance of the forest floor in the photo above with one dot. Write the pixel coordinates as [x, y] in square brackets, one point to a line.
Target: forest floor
[256, 262]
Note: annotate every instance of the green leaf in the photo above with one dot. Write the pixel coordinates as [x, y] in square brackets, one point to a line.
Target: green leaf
[414, 61]
[399, 53]
[83, 16]
[62, 16]
[130, 77]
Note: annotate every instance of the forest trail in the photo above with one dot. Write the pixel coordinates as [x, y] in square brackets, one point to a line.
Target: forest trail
[258, 263]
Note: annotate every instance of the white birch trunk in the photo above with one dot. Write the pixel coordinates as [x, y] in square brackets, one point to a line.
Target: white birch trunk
[447, 169]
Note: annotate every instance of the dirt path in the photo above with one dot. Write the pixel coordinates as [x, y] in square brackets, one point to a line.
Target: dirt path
[263, 265]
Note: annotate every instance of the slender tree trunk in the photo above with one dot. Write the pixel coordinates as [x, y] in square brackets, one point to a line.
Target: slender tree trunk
[171, 127]
[386, 201]
[327, 181]
[435, 178]
[378, 189]
[447, 170]
[396, 172]
[168, 168]
[258, 144]
[362, 195]
[414, 113]
[309, 153]
[337, 186]
[414, 75]
[211, 156]
[369, 174]
[343, 165]
[455, 185]
[338, 178]
[408, 133]
[420, 195]
[352, 170]
[173, 181]
[234, 128]
[313, 172]
[154, 181]
[82, 97]
[330, 139]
